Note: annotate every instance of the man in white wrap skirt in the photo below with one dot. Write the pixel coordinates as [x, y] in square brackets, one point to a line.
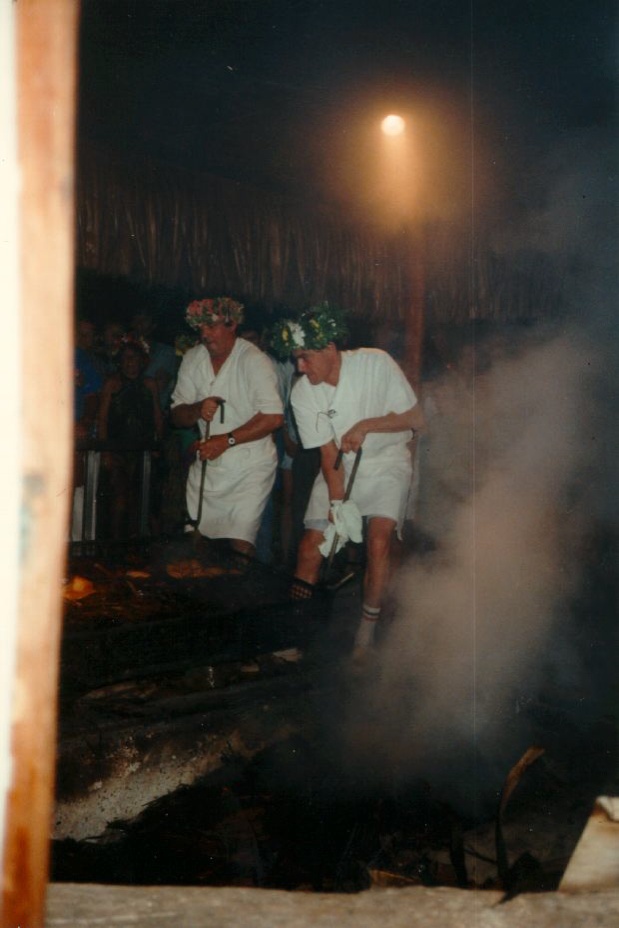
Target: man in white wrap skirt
[240, 452]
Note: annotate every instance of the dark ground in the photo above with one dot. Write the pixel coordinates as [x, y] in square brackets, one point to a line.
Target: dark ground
[297, 815]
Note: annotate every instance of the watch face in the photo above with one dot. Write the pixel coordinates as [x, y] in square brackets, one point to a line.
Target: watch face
[231, 440]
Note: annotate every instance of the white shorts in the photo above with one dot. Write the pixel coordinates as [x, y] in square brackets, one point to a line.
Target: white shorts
[376, 491]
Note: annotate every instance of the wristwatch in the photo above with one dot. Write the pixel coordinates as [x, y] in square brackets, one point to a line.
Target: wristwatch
[231, 440]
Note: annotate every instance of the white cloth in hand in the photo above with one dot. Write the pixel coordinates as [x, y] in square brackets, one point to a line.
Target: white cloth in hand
[346, 523]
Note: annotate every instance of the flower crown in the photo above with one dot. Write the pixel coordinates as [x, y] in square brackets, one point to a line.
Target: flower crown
[211, 311]
[130, 340]
[312, 331]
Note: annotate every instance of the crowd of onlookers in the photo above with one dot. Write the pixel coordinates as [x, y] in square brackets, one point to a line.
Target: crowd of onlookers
[124, 380]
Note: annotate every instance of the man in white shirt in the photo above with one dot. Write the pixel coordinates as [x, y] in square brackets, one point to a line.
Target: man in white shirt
[346, 401]
[240, 452]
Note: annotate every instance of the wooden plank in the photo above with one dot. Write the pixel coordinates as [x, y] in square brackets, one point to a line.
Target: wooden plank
[46, 69]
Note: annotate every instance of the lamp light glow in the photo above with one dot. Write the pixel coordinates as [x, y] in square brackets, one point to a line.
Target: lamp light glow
[393, 125]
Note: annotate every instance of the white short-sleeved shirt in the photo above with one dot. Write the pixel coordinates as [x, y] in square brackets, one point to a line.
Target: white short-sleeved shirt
[238, 483]
[370, 385]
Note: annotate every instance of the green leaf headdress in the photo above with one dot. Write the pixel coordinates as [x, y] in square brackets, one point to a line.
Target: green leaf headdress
[312, 331]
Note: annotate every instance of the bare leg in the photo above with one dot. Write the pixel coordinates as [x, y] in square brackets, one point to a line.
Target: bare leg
[243, 547]
[379, 543]
[309, 557]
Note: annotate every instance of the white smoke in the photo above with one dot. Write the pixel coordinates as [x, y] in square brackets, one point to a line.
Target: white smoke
[485, 619]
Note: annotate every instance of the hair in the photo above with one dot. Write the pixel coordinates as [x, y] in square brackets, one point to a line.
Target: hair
[133, 343]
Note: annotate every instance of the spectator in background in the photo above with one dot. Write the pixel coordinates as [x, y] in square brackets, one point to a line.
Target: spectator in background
[88, 384]
[162, 368]
[179, 453]
[252, 330]
[282, 522]
[289, 448]
[110, 349]
[130, 415]
[162, 361]
[86, 342]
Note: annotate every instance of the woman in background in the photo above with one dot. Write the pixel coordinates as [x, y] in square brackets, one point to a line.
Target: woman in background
[130, 416]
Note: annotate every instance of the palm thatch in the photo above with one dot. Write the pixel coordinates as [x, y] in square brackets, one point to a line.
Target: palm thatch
[209, 235]
[204, 234]
[468, 278]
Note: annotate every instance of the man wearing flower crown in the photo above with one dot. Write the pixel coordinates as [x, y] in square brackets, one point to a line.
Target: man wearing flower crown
[348, 400]
[239, 450]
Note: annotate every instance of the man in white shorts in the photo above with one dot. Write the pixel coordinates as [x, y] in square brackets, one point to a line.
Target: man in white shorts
[349, 400]
[240, 452]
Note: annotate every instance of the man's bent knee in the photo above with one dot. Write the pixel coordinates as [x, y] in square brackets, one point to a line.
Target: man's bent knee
[309, 557]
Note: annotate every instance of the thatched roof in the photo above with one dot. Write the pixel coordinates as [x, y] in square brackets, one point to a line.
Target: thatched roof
[204, 234]
[468, 278]
[158, 225]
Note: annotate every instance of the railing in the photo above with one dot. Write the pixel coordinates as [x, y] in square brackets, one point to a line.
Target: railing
[91, 449]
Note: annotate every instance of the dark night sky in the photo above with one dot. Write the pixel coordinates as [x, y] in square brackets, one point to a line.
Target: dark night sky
[280, 92]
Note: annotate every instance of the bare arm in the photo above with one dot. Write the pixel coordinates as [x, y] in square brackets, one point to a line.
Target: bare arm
[185, 415]
[391, 422]
[260, 425]
[110, 387]
[89, 416]
[334, 478]
[162, 378]
[290, 445]
[152, 386]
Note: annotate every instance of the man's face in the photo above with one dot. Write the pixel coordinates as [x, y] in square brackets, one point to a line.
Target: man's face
[218, 338]
[132, 363]
[318, 366]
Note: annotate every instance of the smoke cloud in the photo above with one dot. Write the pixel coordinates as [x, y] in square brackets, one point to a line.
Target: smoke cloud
[485, 619]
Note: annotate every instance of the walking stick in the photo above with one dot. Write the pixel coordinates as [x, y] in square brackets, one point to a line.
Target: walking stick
[347, 493]
[207, 434]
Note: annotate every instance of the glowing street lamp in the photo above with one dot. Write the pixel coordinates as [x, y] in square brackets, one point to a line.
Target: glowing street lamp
[394, 171]
[393, 125]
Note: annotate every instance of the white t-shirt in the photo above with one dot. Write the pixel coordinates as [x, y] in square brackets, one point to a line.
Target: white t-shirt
[247, 382]
[370, 385]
